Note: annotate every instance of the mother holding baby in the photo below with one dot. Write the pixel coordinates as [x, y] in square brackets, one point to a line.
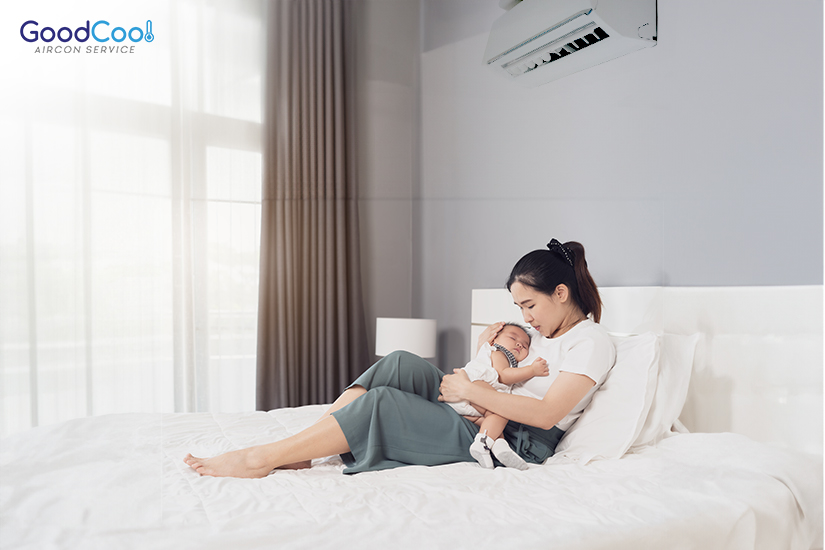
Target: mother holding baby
[394, 414]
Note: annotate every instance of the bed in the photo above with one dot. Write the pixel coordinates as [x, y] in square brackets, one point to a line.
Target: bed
[735, 481]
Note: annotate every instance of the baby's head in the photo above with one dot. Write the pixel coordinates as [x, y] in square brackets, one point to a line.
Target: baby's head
[514, 337]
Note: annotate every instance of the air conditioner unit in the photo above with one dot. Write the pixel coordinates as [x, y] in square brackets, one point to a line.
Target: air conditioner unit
[537, 41]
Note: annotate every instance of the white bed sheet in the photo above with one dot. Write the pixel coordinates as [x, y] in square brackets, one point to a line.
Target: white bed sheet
[118, 481]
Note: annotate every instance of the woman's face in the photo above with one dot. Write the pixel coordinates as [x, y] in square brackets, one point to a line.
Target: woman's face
[541, 311]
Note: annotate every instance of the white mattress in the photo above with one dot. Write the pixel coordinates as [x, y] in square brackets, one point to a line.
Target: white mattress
[118, 481]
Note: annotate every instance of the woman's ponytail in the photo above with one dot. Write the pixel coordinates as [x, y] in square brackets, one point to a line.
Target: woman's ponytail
[589, 299]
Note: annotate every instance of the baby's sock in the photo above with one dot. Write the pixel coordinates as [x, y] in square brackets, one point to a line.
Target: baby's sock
[508, 456]
[480, 449]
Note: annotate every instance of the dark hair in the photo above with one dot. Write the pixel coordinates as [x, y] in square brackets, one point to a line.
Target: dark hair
[517, 325]
[544, 270]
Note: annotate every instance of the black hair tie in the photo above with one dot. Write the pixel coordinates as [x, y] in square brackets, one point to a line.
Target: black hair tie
[556, 246]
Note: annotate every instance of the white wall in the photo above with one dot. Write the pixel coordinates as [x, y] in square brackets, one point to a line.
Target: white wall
[694, 163]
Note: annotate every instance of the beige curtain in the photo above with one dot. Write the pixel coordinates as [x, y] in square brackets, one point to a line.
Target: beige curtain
[311, 330]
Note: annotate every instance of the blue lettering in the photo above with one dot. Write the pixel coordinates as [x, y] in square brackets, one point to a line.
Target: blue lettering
[94, 35]
[77, 32]
[139, 30]
[33, 33]
[43, 34]
[30, 33]
[68, 30]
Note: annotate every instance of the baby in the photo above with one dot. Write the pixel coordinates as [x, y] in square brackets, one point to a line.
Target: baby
[497, 365]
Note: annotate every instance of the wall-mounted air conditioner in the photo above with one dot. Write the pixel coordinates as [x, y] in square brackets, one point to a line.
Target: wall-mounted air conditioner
[537, 41]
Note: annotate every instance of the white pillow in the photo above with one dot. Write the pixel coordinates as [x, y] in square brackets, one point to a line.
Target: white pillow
[616, 414]
[675, 367]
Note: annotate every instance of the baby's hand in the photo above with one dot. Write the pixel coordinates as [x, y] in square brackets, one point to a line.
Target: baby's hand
[539, 367]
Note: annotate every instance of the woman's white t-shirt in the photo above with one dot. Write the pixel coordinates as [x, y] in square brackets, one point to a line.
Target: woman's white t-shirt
[584, 349]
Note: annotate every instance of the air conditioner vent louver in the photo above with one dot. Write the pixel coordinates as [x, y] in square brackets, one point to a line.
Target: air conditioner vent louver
[553, 51]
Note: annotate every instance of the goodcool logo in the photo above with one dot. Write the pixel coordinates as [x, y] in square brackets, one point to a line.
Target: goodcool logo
[100, 31]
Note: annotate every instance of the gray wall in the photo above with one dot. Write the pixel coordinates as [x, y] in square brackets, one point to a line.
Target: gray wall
[387, 60]
[697, 162]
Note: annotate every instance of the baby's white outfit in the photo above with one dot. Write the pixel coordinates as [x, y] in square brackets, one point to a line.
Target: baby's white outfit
[480, 368]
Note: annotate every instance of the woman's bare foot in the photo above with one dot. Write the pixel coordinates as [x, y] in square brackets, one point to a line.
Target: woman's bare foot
[243, 463]
[324, 438]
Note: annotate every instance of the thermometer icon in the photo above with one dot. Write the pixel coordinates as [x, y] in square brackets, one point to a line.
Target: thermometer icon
[149, 36]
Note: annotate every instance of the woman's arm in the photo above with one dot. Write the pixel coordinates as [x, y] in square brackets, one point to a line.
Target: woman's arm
[564, 393]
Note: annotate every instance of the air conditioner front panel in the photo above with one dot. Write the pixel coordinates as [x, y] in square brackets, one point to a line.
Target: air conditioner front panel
[529, 19]
[611, 47]
[546, 49]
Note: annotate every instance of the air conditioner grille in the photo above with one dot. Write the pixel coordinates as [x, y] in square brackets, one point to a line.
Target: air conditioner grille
[553, 51]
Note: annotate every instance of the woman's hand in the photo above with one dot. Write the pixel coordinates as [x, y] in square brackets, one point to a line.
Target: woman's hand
[489, 334]
[454, 386]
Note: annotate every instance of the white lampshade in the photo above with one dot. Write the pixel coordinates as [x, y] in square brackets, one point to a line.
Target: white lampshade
[414, 335]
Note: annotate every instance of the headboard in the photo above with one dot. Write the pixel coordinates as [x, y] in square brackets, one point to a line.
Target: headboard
[758, 365]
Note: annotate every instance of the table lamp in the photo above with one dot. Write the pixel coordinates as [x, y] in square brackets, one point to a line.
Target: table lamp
[414, 335]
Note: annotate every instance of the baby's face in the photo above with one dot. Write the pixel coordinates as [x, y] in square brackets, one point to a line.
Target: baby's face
[515, 340]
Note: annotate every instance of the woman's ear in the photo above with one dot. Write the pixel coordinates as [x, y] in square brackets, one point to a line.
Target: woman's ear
[562, 293]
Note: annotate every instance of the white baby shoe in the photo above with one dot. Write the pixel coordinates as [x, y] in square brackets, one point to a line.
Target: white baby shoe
[506, 455]
[480, 449]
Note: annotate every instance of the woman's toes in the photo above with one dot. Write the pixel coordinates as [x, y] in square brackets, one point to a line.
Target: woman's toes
[193, 462]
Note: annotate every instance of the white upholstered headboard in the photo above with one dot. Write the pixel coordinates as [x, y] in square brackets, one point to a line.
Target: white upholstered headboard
[758, 366]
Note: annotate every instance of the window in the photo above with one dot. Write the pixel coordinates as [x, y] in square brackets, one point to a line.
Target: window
[130, 220]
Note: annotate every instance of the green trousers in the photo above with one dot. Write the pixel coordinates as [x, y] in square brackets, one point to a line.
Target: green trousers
[399, 421]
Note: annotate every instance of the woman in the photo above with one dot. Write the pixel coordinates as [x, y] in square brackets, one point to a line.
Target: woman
[392, 415]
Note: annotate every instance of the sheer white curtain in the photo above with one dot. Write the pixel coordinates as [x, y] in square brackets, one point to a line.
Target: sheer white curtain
[130, 189]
